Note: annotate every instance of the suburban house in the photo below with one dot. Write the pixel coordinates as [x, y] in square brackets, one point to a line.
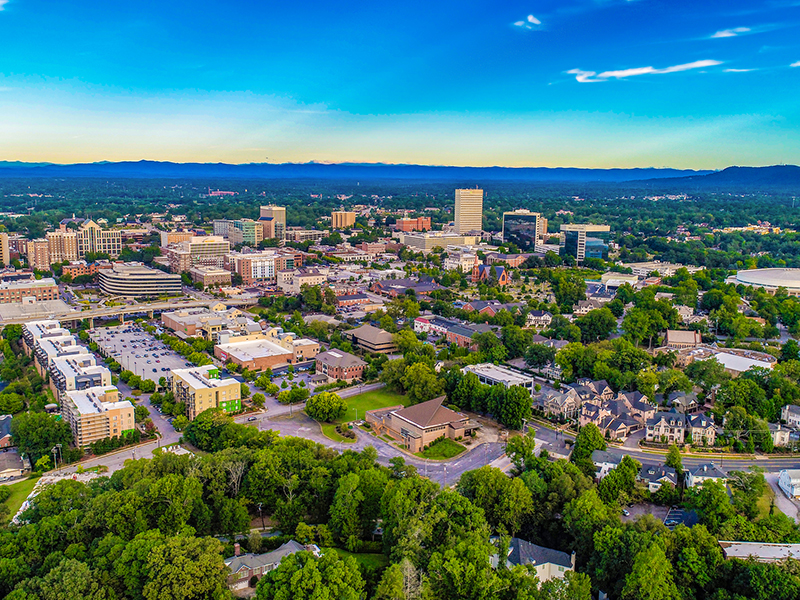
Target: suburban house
[682, 339]
[617, 418]
[372, 339]
[546, 562]
[432, 325]
[245, 566]
[674, 427]
[605, 461]
[789, 480]
[655, 477]
[588, 389]
[12, 465]
[584, 307]
[419, 425]
[791, 415]
[683, 402]
[538, 318]
[6, 440]
[705, 472]
[340, 365]
[564, 403]
[781, 434]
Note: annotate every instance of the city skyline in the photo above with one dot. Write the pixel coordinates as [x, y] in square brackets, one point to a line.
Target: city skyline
[584, 83]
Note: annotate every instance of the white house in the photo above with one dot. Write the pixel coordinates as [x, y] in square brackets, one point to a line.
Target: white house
[708, 471]
[791, 414]
[789, 480]
[604, 462]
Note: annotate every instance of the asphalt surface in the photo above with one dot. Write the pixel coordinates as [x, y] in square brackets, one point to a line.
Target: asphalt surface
[137, 351]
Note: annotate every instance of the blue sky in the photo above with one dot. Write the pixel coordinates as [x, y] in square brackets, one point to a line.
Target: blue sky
[592, 83]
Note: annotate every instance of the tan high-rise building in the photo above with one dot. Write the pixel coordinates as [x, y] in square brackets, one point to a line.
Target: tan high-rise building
[5, 251]
[93, 238]
[39, 254]
[469, 210]
[173, 237]
[342, 219]
[278, 214]
[62, 245]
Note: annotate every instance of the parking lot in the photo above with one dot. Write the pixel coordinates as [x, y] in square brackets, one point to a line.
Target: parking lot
[138, 351]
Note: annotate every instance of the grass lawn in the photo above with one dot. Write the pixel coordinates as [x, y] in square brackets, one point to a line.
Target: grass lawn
[370, 401]
[19, 491]
[442, 449]
[764, 501]
[375, 561]
[329, 431]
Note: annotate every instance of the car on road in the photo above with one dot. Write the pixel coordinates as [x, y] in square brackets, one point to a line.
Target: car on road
[155, 370]
[252, 419]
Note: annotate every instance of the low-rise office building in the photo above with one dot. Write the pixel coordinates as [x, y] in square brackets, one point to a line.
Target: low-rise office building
[210, 276]
[201, 388]
[134, 280]
[41, 289]
[372, 339]
[96, 413]
[291, 281]
[491, 374]
[338, 365]
[265, 351]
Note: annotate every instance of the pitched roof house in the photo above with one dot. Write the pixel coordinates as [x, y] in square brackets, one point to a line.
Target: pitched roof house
[655, 477]
[546, 562]
[245, 566]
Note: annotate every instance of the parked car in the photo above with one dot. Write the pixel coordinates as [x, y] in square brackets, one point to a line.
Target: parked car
[252, 418]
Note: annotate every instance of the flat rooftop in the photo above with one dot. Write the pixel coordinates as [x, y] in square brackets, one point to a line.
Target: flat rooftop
[40, 309]
[254, 349]
[196, 377]
[89, 401]
[760, 551]
[498, 373]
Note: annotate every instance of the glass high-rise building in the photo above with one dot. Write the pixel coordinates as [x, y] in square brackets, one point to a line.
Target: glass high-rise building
[582, 241]
[523, 228]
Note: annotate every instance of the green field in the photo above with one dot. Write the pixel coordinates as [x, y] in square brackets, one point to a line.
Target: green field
[442, 449]
[19, 491]
[374, 561]
[370, 401]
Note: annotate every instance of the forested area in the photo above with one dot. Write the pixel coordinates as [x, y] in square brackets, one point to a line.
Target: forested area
[122, 536]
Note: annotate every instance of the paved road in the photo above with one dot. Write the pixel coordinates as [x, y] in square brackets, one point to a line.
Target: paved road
[786, 505]
[443, 473]
[554, 442]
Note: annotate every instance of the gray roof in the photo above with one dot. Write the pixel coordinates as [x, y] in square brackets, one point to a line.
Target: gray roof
[602, 456]
[659, 473]
[709, 470]
[525, 553]
[252, 561]
[5, 425]
[339, 358]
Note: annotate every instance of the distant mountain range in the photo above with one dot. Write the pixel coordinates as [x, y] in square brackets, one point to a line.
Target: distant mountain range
[781, 175]
[350, 171]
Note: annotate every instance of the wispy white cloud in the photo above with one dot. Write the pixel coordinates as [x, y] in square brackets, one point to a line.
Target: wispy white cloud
[727, 33]
[737, 70]
[3, 4]
[529, 23]
[795, 64]
[595, 77]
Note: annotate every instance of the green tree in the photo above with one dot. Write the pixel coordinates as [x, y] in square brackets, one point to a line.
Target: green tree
[37, 433]
[651, 577]
[421, 383]
[589, 439]
[326, 406]
[516, 407]
[674, 460]
[302, 576]
[596, 325]
[539, 355]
